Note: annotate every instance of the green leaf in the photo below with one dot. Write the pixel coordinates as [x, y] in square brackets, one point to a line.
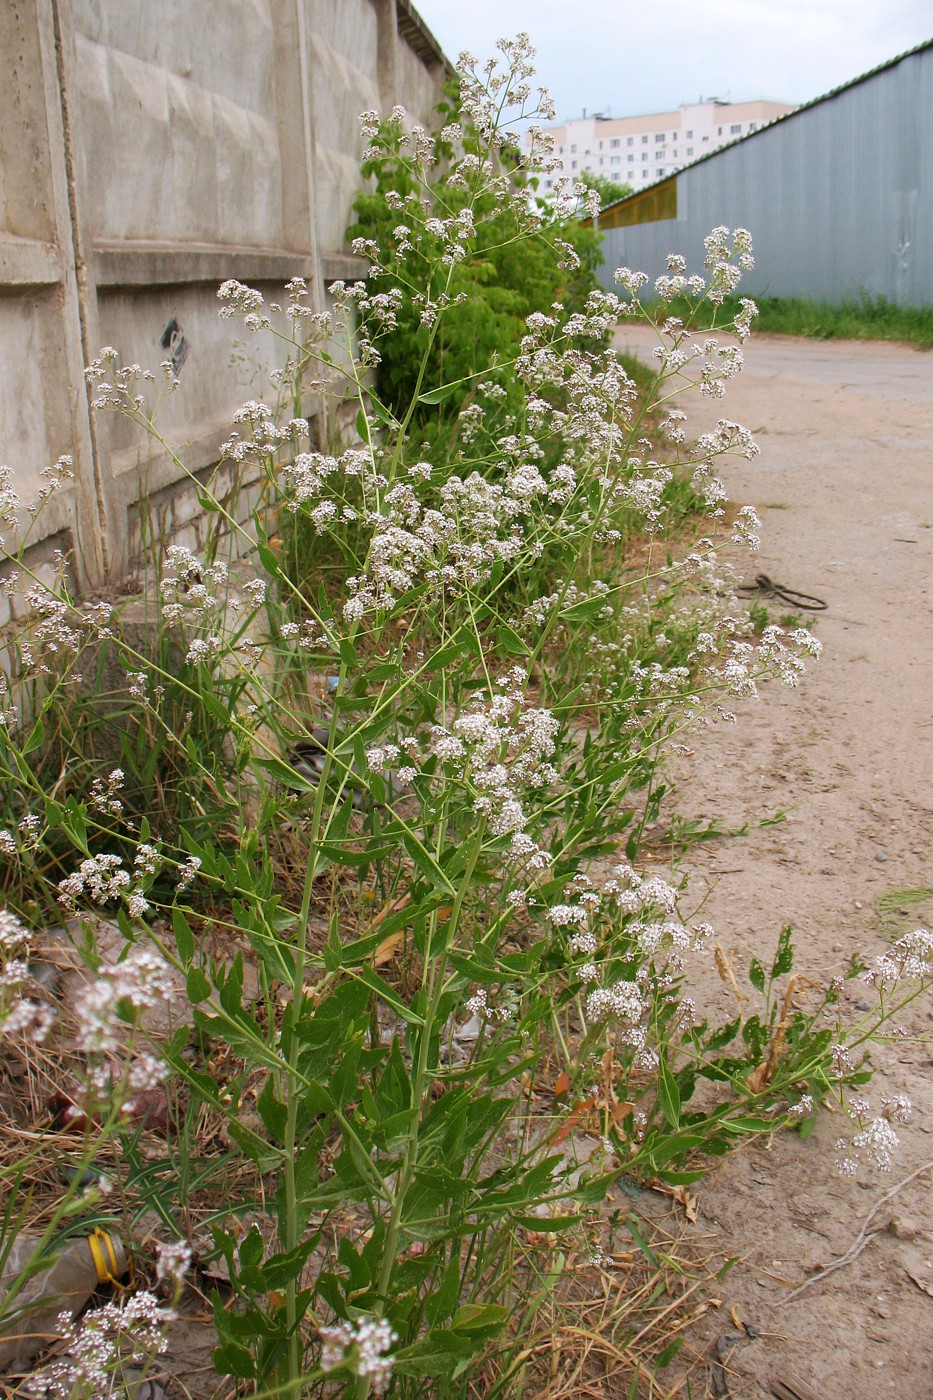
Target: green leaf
[479, 1317]
[444, 392]
[231, 992]
[685, 1178]
[36, 738]
[284, 773]
[383, 414]
[272, 1111]
[756, 975]
[784, 957]
[509, 640]
[250, 1250]
[280, 1269]
[74, 823]
[184, 938]
[232, 1359]
[723, 1036]
[588, 607]
[747, 1123]
[388, 995]
[197, 986]
[666, 1355]
[668, 1094]
[207, 502]
[268, 560]
[426, 863]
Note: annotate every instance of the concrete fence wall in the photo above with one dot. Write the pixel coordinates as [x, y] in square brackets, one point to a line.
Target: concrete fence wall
[148, 151]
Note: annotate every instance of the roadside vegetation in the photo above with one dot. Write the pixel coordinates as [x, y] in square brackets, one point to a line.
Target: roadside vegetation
[335, 985]
[868, 318]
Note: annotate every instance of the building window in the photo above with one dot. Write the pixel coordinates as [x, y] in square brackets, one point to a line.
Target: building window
[735, 129]
[615, 160]
[630, 140]
[718, 133]
[547, 184]
[753, 126]
[705, 138]
[644, 140]
[689, 135]
[660, 171]
[573, 165]
[689, 150]
[630, 157]
[573, 149]
[674, 154]
[600, 145]
[616, 141]
[659, 136]
[644, 155]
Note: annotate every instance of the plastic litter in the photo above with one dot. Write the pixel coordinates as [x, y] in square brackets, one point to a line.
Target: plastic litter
[80, 1267]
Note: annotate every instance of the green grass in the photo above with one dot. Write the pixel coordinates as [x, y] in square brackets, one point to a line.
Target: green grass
[868, 318]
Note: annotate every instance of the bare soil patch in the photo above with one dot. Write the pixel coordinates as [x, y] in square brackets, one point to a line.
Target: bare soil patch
[843, 489]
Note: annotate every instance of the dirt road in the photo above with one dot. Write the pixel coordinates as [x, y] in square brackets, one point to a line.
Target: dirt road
[844, 486]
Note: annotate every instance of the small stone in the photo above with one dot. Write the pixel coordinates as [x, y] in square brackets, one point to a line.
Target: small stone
[881, 856]
[837, 947]
[903, 1228]
[863, 1005]
[858, 904]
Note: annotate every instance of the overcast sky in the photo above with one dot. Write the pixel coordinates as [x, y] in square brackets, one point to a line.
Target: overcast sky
[631, 56]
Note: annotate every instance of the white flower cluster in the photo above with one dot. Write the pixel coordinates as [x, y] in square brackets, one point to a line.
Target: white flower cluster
[116, 386]
[101, 878]
[103, 795]
[365, 1344]
[142, 980]
[500, 749]
[623, 1001]
[477, 523]
[14, 936]
[173, 1260]
[909, 959]
[874, 1139]
[188, 585]
[726, 264]
[133, 1331]
[661, 944]
[20, 1014]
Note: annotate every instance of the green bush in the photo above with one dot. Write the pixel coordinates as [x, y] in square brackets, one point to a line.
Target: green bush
[503, 276]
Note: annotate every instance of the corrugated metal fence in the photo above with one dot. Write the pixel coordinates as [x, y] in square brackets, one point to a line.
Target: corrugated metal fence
[838, 197]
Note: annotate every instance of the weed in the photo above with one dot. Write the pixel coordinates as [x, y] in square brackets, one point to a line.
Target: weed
[895, 905]
[868, 318]
[367, 824]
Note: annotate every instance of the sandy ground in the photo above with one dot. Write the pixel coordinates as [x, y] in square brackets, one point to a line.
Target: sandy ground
[844, 487]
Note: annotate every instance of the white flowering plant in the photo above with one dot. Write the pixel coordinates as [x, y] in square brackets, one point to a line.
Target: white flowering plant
[406, 755]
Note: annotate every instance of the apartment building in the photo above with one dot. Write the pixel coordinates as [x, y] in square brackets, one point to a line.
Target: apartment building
[639, 150]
